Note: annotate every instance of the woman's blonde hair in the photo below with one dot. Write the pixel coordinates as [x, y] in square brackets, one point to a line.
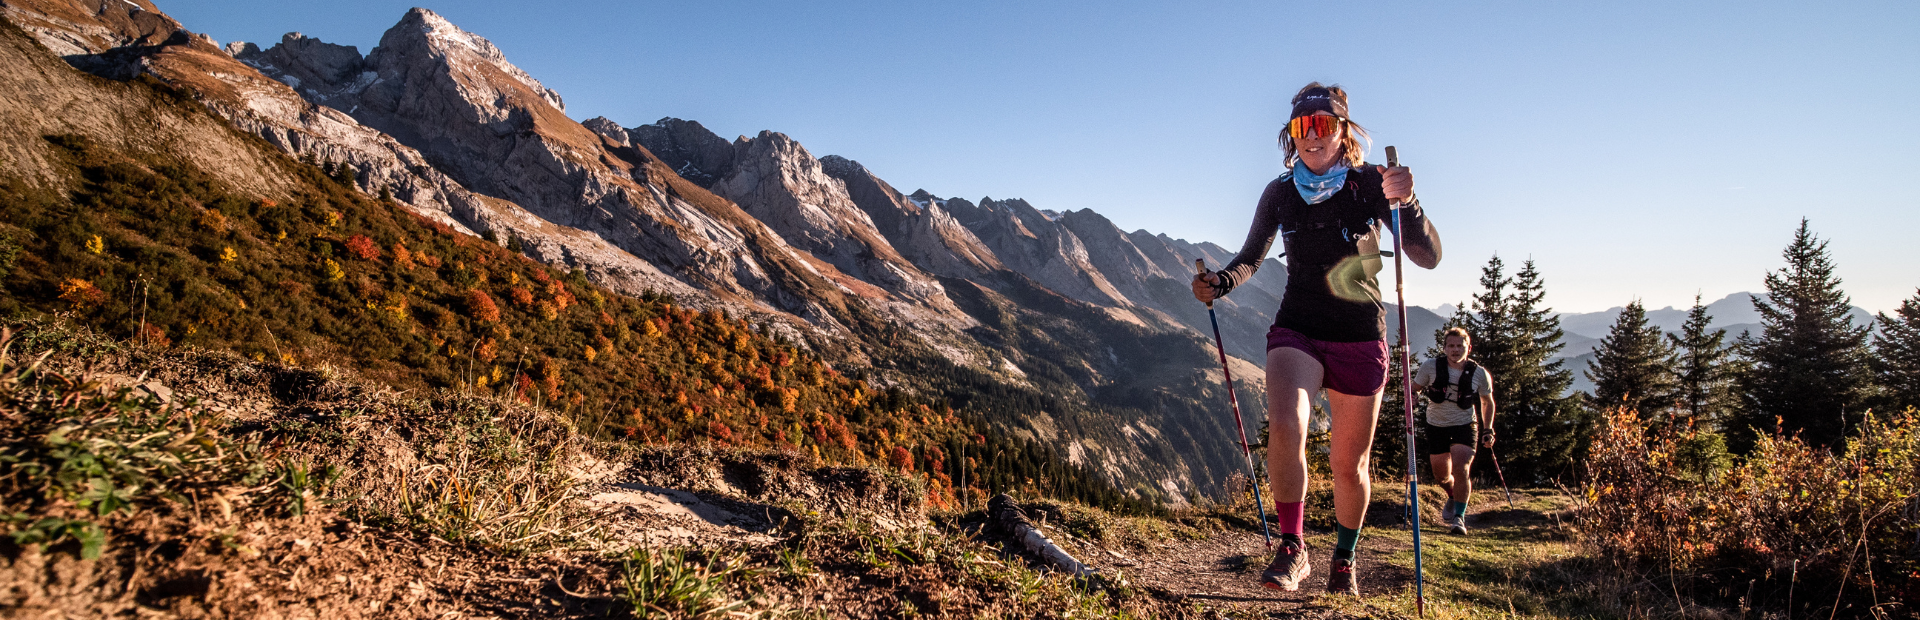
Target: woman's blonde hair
[1353, 141]
[1465, 338]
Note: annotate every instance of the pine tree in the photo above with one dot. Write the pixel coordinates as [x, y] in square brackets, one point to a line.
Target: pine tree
[1540, 425]
[1629, 368]
[1809, 367]
[1703, 369]
[1896, 359]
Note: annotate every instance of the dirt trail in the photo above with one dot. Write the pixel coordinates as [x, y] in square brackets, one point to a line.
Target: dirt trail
[1221, 572]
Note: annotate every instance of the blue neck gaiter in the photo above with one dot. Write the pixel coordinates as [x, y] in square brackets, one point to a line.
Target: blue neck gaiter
[1317, 188]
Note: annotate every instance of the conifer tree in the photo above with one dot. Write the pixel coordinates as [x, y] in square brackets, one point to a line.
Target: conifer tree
[1540, 425]
[1703, 368]
[1896, 356]
[1629, 368]
[1809, 364]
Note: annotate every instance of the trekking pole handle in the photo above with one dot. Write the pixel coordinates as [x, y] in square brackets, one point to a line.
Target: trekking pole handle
[1200, 268]
[1393, 161]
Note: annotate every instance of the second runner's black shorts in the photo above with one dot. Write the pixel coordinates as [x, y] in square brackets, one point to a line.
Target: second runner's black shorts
[1442, 439]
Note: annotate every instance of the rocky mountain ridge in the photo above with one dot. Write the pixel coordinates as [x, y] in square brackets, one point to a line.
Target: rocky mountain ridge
[821, 249]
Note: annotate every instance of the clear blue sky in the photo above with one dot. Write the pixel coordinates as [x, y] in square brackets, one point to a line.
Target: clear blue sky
[1633, 149]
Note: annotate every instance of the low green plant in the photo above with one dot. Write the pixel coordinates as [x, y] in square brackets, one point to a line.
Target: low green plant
[78, 452]
[671, 584]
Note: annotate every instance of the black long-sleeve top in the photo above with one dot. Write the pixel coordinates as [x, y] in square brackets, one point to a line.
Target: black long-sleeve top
[1333, 255]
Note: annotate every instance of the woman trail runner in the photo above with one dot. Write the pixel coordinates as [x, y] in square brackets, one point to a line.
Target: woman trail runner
[1330, 331]
[1456, 401]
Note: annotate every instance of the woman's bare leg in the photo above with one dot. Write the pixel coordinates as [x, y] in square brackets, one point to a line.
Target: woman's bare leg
[1352, 438]
[1293, 377]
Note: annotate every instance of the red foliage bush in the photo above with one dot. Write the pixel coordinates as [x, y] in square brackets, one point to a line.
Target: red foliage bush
[152, 336]
[523, 388]
[901, 459]
[363, 248]
[520, 297]
[481, 308]
[720, 432]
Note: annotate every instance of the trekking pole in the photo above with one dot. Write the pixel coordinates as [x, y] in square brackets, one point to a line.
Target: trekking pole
[1245, 450]
[1503, 475]
[1406, 397]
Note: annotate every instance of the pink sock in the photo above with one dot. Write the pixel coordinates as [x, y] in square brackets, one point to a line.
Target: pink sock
[1292, 515]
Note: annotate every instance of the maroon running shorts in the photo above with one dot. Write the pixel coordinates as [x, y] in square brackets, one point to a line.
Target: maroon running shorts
[1352, 368]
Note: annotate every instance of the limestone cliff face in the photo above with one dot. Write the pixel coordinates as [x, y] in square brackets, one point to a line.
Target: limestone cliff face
[73, 28]
[497, 131]
[1114, 254]
[925, 233]
[42, 96]
[690, 149]
[778, 181]
[1029, 242]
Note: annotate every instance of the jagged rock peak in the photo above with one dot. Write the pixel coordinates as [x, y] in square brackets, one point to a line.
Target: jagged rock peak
[438, 33]
[840, 166]
[238, 49]
[606, 127]
[695, 153]
[310, 65]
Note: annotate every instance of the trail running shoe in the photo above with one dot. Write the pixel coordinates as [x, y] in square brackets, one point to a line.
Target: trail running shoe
[1289, 565]
[1341, 579]
[1458, 525]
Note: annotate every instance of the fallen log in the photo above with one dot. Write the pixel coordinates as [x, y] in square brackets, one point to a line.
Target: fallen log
[1008, 515]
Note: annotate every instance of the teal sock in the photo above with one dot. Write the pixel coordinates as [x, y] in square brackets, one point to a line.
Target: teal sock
[1458, 508]
[1345, 542]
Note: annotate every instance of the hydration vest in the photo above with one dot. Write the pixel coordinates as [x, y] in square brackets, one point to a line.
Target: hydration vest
[1340, 246]
[1464, 395]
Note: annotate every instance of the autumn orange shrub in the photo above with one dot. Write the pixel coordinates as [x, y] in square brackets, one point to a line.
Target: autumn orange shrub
[480, 306]
[558, 291]
[520, 296]
[402, 257]
[901, 459]
[1843, 525]
[81, 293]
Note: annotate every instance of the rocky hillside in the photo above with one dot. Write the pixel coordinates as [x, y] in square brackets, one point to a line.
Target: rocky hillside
[1058, 328]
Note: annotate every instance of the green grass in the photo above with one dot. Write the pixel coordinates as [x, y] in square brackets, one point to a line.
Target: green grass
[1516, 563]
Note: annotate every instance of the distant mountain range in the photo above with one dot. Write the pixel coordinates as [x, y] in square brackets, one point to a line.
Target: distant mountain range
[1733, 313]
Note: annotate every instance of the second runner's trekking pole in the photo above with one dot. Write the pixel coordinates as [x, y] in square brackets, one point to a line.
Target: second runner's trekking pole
[1406, 397]
[1503, 475]
[1245, 450]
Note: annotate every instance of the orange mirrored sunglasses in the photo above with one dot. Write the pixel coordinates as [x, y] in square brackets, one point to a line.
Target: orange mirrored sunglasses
[1313, 126]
